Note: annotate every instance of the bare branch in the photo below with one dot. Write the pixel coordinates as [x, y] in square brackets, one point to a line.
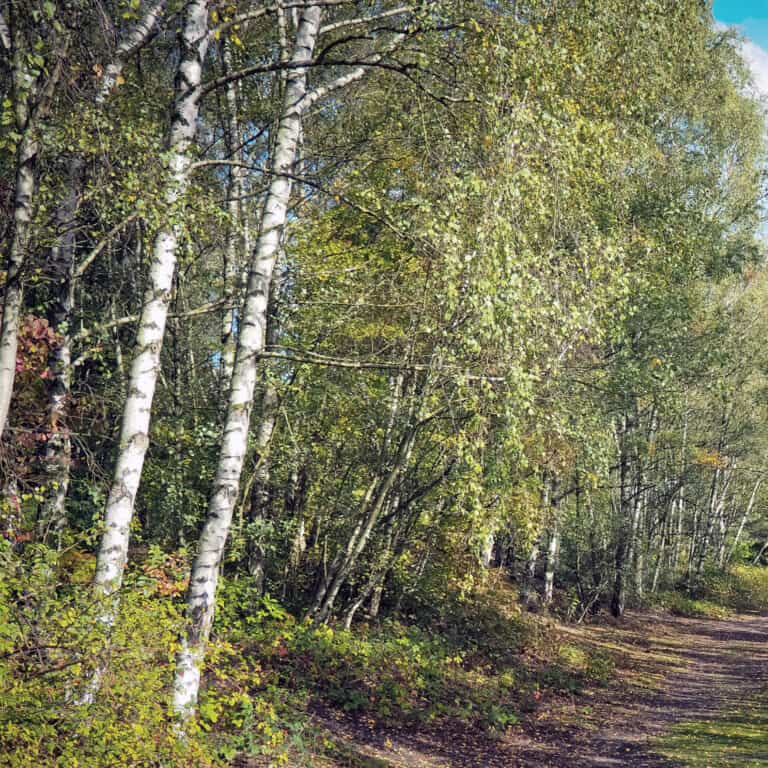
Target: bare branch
[89, 259]
[360, 20]
[257, 13]
[129, 319]
[374, 60]
[315, 358]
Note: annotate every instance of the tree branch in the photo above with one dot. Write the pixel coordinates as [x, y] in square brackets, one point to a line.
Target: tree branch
[315, 358]
[264, 10]
[259, 69]
[97, 249]
[360, 20]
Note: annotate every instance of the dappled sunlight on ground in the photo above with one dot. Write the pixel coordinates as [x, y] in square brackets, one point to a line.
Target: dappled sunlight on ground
[674, 677]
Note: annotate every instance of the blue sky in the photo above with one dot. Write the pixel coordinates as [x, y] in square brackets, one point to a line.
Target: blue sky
[750, 17]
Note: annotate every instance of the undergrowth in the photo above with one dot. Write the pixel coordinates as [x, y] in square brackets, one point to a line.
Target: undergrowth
[479, 659]
[719, 594]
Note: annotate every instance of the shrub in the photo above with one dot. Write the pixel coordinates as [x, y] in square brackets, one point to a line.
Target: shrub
[51, 641]
[743, 588]
[682, 605]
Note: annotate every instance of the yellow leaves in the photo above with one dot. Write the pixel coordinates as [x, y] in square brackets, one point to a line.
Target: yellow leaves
[714, 459]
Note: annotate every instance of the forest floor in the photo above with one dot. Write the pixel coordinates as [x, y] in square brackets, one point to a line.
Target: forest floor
[686, 692]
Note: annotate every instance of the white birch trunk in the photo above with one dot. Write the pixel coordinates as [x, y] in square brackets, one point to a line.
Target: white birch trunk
[136, 38]
[744, 518]
[553, 552]
[204, 576]
[24, 91]
[145, 366]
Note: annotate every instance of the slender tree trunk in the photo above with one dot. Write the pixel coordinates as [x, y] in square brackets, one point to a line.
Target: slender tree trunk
[58, 448]
[359, 539]
[378, 572]
[529, 593]
[618, 599]
[250, 342]
[25, 87]
[237, 246]
[261, 492]
[637, 540]
[62, 263]
[553, 548]
[295, 508]
[145, 366]
[744, 518]
[371, 500]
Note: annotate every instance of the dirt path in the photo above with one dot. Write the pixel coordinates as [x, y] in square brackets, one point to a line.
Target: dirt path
[672, 671]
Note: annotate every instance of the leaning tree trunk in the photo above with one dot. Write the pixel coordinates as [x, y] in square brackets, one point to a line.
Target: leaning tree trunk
[145, 366]
[250, 342]
[744, 518]
[58, 448]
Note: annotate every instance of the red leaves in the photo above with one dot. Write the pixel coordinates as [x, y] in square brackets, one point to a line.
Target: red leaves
[36, 342]
[170, 574]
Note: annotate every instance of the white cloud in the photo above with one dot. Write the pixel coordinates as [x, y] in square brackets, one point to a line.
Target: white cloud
[757, 59]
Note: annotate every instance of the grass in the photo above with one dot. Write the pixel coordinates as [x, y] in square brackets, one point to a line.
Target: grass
[736, 740]
[682, 605]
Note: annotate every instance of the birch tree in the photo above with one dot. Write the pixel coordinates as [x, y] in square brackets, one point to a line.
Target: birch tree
[204, 575]
[34, 78]
[63, 270]
[145, 366]
[297, 99]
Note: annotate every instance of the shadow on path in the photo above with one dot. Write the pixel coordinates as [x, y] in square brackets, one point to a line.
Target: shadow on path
[688, 669]
[721, 664]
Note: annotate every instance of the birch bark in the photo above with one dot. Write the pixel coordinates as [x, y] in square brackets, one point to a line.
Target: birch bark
[250, 342]
[25, 90]
[58, 449]
[145, 366]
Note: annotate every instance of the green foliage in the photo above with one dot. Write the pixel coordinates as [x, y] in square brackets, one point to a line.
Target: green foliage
[51, 643]
[742, 588]
[683, 605]
[535, 258]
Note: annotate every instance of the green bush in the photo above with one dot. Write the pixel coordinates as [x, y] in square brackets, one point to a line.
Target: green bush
[51, 641]
[682, 605]
[743, 588]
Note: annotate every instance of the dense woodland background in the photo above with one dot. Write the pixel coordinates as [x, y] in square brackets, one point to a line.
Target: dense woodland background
[354, 309]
